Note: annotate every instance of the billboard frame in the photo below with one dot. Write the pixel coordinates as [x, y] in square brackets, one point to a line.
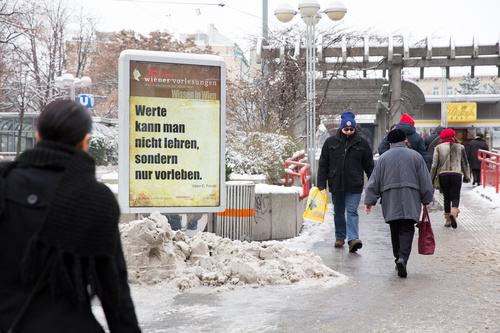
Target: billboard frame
[124, 105]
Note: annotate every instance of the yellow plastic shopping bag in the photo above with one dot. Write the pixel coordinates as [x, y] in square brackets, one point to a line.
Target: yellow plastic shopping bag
[316, 205]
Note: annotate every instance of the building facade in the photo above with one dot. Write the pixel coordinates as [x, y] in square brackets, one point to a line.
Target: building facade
[436, 86]
[237, 65]
[466, 114]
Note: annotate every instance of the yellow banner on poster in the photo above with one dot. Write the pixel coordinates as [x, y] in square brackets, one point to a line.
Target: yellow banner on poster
[462, 112]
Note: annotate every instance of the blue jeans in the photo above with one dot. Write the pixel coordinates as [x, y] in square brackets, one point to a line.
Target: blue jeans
[342, 202]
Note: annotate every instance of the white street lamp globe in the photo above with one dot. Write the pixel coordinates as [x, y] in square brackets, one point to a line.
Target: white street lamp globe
[336, 10]
[76, 82]
[59, 82]
[315, 19]
[285, 12]
[85, 81]
[309, 7]
[68, 79]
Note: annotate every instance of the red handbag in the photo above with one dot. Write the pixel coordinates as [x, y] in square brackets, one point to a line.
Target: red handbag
[426, 242]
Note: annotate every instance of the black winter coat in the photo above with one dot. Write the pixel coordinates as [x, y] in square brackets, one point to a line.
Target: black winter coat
[475, 145]
[24, 199]
[430, 143]
[343, 161]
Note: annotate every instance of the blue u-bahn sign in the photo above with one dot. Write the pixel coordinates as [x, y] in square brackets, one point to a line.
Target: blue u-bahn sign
[86, 100]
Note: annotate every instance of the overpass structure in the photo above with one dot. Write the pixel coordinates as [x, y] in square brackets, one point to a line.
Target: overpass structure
[385, 98]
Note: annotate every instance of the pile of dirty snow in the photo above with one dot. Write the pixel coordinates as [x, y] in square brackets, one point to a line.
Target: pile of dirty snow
[157, 254]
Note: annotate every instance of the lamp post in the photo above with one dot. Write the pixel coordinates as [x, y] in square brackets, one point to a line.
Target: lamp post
[311, 15]
[69, 81]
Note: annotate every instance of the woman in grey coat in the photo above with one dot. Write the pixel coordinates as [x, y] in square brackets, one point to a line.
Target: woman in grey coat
[401, 179]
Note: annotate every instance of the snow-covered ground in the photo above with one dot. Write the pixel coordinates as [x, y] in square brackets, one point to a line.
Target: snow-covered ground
[207, 264]
[488, 193]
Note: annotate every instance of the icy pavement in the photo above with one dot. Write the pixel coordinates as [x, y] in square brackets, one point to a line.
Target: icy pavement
[455, 290]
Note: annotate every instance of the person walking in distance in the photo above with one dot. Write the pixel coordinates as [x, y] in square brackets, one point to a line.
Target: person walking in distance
[414, 140]
[344, 157]
[474, 162]
[449, 168]
[401, 179]
[430, 143]
[59, 239]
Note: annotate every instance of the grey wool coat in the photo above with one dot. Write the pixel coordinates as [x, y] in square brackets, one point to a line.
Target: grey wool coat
[401, 179]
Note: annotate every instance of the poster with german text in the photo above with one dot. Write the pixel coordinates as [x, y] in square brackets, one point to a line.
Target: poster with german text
[174, 135]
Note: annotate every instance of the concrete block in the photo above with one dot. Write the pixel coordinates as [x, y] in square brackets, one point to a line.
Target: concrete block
[278, 213]
[283, 216]
[125, 218]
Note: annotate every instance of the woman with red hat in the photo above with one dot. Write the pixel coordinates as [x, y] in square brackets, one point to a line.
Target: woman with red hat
[449, 168]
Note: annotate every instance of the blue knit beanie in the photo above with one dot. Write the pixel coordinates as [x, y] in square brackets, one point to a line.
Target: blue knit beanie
[347, 120]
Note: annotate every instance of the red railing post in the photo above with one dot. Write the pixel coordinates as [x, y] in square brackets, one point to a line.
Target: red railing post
[489, 160]
[290, 166]
[482, 171]
[496, 173]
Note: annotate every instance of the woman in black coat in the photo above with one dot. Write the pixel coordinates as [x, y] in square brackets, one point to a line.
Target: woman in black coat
[475, 164]
[59, 239]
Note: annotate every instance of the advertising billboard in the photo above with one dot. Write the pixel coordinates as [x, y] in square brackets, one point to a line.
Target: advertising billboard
[171, 125]
[462, 112]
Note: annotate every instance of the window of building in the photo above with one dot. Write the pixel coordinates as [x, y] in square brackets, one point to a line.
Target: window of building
[435, 91]
[9, 132]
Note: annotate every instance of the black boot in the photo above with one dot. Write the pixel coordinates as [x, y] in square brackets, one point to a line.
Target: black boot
[401, 265]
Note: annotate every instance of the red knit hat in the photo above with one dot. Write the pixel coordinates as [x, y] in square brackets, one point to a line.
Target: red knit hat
[448, 133]
[407, 119]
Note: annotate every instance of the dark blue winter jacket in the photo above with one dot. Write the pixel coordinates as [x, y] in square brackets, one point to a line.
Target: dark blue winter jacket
[414, 139]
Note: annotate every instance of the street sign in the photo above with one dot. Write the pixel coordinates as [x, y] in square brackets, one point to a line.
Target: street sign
[86, 100]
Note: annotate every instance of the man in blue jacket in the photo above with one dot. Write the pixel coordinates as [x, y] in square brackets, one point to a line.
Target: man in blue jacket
[402, 180]
[344, 157]
[414, 140]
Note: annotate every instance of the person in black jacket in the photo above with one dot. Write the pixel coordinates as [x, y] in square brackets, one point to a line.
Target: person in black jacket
[430, 143]
[413, 139]
[59, 238]
[343, 159]
[474, 162]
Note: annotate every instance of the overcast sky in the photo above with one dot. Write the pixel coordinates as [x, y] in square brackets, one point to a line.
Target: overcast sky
[238, 18]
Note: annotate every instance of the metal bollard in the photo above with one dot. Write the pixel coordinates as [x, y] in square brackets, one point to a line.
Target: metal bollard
[236, 222]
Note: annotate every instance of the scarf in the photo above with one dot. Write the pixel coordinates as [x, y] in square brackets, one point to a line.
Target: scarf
[79, 237]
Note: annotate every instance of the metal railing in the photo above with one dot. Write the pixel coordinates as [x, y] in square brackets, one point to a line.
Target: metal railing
[490, 164]
[291, 166]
